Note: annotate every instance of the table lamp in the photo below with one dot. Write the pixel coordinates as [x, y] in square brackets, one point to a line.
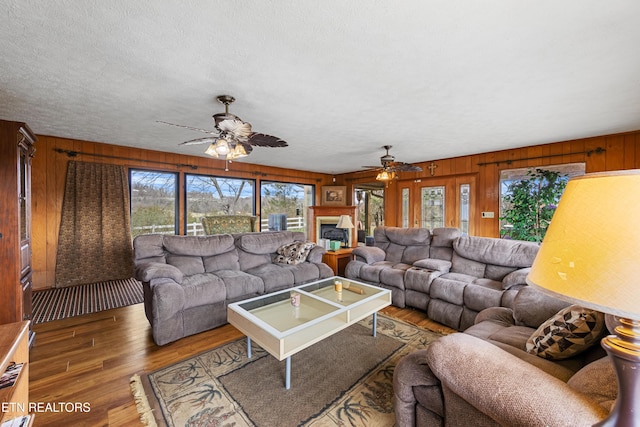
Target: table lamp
[344, 222]
[590, 256]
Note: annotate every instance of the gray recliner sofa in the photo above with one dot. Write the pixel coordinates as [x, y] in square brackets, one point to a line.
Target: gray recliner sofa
[449, 275]
[189, 280]
[485, 377]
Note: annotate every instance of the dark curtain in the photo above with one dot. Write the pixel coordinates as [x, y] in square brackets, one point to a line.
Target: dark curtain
[94, 243]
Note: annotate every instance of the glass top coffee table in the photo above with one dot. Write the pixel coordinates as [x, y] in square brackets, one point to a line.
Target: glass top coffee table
[288, 321]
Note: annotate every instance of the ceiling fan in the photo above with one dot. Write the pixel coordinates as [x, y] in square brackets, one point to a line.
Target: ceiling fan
[390, 167]
[232, 137]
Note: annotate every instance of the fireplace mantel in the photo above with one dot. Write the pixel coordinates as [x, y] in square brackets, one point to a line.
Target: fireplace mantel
[319, 212]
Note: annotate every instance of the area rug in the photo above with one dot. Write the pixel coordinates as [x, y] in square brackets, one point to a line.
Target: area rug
[59, 303]
[345, 379]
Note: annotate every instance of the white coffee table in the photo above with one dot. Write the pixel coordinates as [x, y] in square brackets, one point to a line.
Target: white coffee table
[283, 330]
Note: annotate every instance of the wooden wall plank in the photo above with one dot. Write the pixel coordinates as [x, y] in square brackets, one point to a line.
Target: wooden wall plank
[623, 152]
[49, 176]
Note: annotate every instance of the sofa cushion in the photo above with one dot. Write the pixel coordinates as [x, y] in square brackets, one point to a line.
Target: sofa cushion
[189, 265]
[264, 243]
[433, 264]
[202, 289]
[490, 250]
[293, 253]
[274, 276]
[199, 245]
[371, 273]
[240, 285]
[394, 276]
[226, 261]
[573, 330]
[468, 266]
[532, 307]
[148, 247]
[403, 244]
[442, 242]
[598, 381]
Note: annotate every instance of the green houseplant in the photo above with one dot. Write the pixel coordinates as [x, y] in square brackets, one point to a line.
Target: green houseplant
[529, 204]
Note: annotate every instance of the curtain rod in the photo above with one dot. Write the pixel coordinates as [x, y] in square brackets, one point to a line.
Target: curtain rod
[72, 153]
[598, 150]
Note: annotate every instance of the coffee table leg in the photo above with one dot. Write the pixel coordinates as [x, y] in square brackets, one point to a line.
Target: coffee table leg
[375, 323]
[287, 373]
[249, 347]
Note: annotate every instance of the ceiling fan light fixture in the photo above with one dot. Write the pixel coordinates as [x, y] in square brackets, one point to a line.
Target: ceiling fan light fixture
[211, 150]
[238, 152]
[384, 175]
[222, 147]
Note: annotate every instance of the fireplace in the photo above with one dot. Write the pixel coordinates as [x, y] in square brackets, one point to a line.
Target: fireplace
[322, 221]
[330, 232]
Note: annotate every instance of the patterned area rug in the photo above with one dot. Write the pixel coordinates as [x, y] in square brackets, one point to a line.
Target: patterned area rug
[345, 379]
[59, 303]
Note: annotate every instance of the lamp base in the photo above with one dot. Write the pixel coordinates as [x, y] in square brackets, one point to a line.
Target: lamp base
[624, 350]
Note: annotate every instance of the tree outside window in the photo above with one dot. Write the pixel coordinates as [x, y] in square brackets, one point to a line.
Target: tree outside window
[528, 203]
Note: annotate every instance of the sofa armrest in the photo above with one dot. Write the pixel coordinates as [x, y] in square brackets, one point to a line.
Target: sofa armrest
[412, 372]
[441, 265]
[501, 315]
[155, 270]
[497, 382]
[315, 254]
[515, 278]
[369, 254]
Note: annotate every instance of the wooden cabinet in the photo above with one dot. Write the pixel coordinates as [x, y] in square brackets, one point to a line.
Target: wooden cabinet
[16, 151]
[14, 348]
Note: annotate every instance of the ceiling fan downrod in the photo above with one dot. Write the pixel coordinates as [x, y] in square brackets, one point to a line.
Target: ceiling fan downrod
[226, 100]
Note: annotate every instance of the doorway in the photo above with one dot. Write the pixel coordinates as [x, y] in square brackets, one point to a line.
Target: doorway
[438, 202]
[369, 198]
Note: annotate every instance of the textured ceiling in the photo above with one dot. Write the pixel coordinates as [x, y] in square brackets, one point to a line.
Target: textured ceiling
[336, 79]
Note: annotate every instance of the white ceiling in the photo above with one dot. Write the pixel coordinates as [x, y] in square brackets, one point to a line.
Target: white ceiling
[336, 79]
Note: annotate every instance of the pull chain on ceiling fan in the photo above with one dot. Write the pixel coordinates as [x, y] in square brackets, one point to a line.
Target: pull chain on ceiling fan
[232, 138]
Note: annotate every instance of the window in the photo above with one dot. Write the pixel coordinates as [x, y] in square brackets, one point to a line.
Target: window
[369, 199]
[284, 205]
[432, 207]
[215, 195]
[526, 214]
[465, 203]
[153, 202]
[405, 207]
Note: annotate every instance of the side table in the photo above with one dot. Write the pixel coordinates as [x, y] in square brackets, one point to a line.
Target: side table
[338, 260]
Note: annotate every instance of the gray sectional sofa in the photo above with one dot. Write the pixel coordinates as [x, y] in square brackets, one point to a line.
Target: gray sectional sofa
[189, 280]
[484, 376]
[449, 275]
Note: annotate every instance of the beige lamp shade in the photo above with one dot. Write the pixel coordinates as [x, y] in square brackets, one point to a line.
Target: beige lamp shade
[345, 222]
[590, 254]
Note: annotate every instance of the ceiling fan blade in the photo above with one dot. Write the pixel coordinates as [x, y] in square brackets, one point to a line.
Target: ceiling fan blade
[206, 140]
[239, 129]
[263, 140]
[371, 167]
[211, 132]
[405, 167]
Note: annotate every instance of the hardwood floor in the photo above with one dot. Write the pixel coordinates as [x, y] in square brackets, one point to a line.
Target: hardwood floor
[90, 359]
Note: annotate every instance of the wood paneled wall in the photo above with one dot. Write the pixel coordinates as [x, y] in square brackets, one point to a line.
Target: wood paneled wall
[621, 151]
[49, 175]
